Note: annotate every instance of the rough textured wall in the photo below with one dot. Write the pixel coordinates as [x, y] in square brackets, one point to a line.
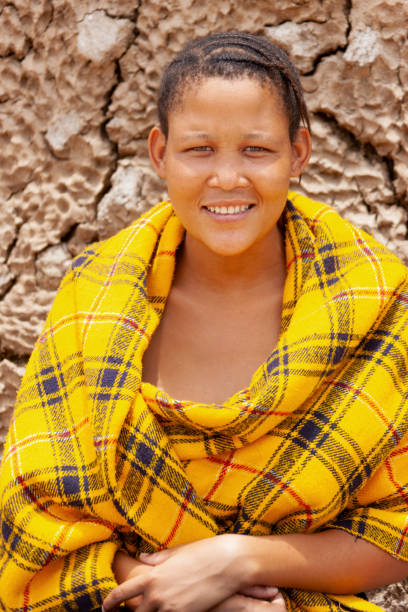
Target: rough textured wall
[77, 98]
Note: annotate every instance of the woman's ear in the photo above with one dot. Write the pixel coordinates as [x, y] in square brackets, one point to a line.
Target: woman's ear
[301, 151]
[157, 149]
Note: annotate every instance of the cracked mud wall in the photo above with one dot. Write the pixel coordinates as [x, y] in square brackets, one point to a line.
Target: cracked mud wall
[78, 80]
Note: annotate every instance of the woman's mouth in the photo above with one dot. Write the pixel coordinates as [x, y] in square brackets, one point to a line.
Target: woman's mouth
[230, 210]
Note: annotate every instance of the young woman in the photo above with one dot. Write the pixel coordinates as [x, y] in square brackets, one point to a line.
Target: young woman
[223, 382]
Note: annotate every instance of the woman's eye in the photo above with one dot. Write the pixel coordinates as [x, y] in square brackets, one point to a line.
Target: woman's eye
[255, 149]
[201, 149]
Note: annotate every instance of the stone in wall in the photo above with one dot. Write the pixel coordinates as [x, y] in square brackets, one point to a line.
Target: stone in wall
[10, 376]
[307, 41]
[50, 265]
[356, 182]
[14, 40]
[365, 87]
[55, 156]
[101, 38]
[133, 184]
[393, 598]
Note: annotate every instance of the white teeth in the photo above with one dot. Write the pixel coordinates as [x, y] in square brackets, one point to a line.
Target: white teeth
[227, 210]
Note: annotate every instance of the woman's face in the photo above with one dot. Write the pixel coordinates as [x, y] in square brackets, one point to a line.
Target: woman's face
[228, 161]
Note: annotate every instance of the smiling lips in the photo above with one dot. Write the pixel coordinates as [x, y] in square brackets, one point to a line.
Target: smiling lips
[229, 210]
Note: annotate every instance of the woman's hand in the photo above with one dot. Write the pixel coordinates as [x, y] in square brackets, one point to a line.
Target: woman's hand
[243, 603]
[195, 577]
[239, 602]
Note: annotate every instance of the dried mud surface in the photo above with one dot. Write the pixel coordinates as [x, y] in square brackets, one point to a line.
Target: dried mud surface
[78, 80]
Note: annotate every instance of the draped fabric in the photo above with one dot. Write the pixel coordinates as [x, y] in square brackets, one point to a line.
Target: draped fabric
[97, 460]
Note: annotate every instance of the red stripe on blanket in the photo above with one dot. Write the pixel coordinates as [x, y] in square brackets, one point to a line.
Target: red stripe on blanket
[378, 269]
[318, 216]
[401, 541]
[220, 477]
[307, 255]
[399, 488]
[105, 442]
[184, 505]
[46, 436]
[360, 393]
[283, 485]
[399, 451]
[149, 224]
[401, 297]
[356, 292]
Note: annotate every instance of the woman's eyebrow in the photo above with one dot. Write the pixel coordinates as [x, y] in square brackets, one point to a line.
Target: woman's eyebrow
[195, 135]
[254, 135]
[259, 136]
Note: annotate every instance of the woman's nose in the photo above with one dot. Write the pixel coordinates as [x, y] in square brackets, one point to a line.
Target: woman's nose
[227, 174]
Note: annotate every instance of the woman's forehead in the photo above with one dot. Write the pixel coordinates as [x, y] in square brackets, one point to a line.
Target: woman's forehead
[219, 100]
[196, 86]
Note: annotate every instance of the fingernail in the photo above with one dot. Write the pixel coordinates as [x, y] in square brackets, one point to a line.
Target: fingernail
[273, 590]
[143, 554]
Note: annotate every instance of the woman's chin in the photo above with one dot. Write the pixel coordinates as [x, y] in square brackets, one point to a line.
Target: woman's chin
[237, 243]
[228, 248]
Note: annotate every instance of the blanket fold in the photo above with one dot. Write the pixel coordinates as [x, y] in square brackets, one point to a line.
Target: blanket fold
[95, 458]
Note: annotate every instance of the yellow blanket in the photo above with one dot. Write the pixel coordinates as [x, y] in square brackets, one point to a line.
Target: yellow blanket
[319, 440]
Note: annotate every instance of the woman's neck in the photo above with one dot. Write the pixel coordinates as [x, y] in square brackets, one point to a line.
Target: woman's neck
[201, 269]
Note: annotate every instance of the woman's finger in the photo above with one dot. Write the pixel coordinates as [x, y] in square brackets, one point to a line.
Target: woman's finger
[241, 603]
[124, 592]
[278, 604]
[260, 592]
[155, 558]
[134, 603]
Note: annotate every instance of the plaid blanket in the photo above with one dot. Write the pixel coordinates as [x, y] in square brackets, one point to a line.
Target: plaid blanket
[319, 439]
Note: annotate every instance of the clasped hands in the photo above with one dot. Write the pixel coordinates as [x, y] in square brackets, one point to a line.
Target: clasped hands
[206, 575]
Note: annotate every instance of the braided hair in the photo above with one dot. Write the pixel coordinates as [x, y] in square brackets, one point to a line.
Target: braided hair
[232, 55]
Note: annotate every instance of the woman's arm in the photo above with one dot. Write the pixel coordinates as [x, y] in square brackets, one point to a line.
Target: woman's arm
[198, 576]
[331, 561]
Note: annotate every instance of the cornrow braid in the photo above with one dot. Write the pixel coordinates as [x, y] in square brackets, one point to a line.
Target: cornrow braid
[232, 55]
